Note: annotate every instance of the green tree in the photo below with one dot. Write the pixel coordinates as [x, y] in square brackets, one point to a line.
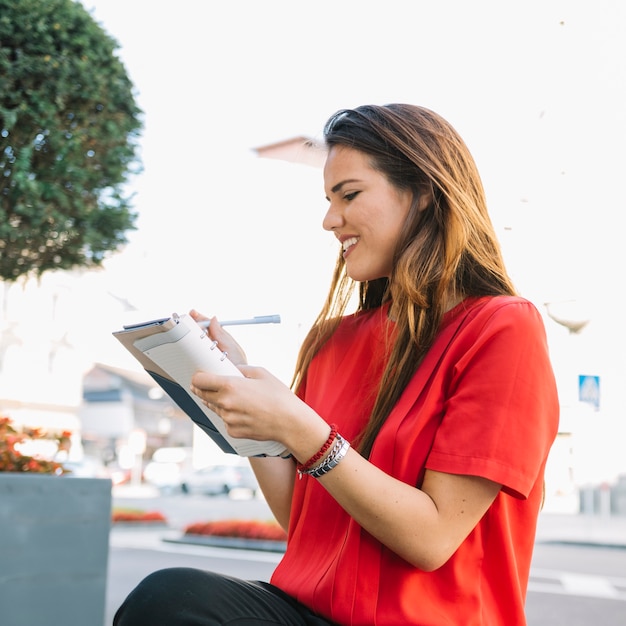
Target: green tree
[69, 127]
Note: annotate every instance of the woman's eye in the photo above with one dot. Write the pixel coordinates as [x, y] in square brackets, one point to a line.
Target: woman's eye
[351, 196]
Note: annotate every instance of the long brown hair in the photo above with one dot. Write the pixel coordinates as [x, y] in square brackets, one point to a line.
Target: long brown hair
[447, 252]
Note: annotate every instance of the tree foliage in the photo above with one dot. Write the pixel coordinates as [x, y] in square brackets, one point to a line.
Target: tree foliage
[69, 126]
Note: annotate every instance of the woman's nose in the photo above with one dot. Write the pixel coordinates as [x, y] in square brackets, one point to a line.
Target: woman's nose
[333, 218]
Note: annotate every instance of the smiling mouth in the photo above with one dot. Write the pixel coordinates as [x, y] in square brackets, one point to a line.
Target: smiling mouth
[348, 243]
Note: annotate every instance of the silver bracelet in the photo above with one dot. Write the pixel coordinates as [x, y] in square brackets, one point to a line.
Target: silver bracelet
[332, 454]
[339, 450]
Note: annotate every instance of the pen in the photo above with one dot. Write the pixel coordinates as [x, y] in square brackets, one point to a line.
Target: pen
[259, 319]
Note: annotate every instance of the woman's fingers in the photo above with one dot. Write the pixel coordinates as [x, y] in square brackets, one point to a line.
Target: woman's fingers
[225, 340]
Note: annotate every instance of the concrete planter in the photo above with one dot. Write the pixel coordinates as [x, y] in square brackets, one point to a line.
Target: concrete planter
[54, 547]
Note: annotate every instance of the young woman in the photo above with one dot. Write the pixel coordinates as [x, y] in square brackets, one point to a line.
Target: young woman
[420, 424]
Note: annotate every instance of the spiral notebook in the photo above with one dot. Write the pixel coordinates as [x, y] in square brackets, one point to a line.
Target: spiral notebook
[172, 349]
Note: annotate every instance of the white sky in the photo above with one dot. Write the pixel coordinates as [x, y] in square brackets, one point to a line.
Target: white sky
[537, 89]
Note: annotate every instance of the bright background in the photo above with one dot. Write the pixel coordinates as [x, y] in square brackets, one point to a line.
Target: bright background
[536, 88]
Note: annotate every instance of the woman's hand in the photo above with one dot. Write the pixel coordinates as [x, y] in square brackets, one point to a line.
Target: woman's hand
[261, 407]
[225, 341]
[258, 406]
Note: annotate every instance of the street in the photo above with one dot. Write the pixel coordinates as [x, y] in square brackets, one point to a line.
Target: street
[571, 585]
[577, 585]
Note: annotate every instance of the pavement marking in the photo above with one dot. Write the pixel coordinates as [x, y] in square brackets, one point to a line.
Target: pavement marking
[573, 584]
[583, 584]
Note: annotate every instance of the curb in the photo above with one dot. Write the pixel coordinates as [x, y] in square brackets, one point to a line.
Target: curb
[589, 543]
[239, 543]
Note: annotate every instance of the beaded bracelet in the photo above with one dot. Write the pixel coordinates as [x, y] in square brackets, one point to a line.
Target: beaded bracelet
[302, 468]
[339, 450]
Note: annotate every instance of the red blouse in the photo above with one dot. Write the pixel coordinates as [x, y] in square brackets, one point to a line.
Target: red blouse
[484, 403]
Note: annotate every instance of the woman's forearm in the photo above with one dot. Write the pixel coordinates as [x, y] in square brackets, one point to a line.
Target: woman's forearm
[276, 477]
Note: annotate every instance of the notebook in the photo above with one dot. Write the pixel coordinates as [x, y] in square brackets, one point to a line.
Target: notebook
[172, 349]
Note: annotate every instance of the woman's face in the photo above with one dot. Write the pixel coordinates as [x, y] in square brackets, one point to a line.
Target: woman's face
[366, 213]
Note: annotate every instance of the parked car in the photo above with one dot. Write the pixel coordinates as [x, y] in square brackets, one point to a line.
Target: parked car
[166, 468]
[87, 467]
[219, 479]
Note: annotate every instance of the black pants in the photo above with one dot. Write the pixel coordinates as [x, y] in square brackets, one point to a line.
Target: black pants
[182, 596]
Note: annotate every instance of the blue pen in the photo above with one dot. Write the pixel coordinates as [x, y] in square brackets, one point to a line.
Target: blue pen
[259, 319]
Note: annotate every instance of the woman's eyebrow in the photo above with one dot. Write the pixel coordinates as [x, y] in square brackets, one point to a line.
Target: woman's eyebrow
[338, 186]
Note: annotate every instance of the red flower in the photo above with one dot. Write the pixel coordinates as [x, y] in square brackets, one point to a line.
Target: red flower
[246, 529]
[12, 460]
[133, 515]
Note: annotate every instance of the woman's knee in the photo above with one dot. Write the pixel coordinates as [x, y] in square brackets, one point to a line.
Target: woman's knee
[168, 596]
[191, 597]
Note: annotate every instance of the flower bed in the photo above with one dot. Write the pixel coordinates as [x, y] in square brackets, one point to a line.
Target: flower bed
[55, 531]
[241, 529]
[32, 450]
[137, 516]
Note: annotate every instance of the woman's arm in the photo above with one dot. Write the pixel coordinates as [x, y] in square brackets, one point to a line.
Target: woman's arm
[423, 526]
[276, 476]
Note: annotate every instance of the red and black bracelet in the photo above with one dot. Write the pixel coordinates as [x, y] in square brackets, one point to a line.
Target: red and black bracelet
[303, 467]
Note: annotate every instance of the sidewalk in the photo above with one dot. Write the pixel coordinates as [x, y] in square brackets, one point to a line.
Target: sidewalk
[553, 525]
[582, 528]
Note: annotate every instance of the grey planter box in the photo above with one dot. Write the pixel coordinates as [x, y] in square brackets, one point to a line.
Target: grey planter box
[54, 547]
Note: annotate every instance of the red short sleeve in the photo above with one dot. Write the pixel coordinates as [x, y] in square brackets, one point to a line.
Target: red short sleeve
[498, 419]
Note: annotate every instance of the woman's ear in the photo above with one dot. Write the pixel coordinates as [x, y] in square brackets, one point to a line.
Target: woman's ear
[424, 199]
